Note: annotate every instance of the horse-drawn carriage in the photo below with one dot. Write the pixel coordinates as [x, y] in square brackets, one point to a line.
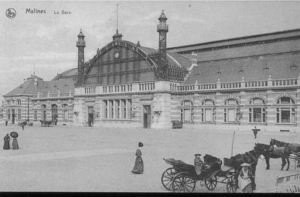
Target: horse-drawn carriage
[182, 177]
[45, 123]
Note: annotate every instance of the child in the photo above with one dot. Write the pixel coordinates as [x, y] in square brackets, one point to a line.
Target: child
[246, 175]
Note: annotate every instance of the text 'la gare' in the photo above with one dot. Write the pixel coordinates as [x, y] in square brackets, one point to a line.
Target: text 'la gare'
[62, 12]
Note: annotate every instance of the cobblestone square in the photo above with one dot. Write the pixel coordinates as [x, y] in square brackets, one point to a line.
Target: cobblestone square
[68, 159]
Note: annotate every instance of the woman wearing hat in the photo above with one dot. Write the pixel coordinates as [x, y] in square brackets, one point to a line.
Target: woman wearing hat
[139, 165]
[6, 142]
[245, 176]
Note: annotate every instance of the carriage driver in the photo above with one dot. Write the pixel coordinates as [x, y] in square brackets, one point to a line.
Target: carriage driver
[198, 163]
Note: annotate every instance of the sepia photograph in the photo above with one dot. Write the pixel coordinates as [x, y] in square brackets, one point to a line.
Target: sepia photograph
[150, 96]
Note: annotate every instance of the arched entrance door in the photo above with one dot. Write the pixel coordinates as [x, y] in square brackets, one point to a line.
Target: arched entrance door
[54, 113]
[147, 116]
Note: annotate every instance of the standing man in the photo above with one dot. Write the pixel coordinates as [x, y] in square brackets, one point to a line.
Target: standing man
[255, 131]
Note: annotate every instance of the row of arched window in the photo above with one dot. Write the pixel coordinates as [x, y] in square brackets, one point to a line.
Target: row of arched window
[285, 111]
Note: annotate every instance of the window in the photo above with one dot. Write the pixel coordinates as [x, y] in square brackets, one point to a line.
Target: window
[231, 111]
[257, 113]
[187, 111]
[19, 114]
[117, 107]
[124, 109]
[208, 111]
[105, 109]
[285, 112]
[8, 114]
[65, 112]
[19, 102]
[54, 112]
[44, 112]
[35, 115]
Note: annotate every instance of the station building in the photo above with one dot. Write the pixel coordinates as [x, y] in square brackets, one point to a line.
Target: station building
[232, 84]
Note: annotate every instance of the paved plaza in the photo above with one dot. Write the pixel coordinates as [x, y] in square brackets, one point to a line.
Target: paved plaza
[73, 159]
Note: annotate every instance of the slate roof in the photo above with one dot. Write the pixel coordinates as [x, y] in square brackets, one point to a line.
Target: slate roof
[67, 73]
[28, 87]
[235, 41]
[174, 59]
[252, 69]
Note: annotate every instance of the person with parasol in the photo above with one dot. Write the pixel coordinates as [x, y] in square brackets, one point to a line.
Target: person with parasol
[245, 178]
[15, 144]
[6, 142]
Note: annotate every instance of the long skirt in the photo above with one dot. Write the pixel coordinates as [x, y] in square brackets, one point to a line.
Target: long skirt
[139, 165]
[248, 189]
[6, 145]
[15, 144]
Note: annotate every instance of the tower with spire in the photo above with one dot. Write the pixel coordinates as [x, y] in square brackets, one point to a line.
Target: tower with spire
[162, 29]
[80, 44]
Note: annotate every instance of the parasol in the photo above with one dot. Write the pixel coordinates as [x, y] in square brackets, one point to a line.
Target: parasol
[14, 134]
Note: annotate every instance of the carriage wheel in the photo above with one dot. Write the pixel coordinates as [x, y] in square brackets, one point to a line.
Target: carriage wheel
[167, 178]
[182, 182]
[211, 183]
[231, 184]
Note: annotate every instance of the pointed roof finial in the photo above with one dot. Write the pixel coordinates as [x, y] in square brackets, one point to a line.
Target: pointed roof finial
[80, 34]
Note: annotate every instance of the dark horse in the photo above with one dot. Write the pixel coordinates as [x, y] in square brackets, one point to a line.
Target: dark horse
[284, 149]
[46, 123]
[275, 153]
[250, 157]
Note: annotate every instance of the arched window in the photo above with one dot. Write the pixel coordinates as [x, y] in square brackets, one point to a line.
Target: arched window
[208, 111]
[231, 111]
[54, 112]
[65, 110]
[285, 112]
[257, 110]
[44, 112]
[187, 111]
[19, 102]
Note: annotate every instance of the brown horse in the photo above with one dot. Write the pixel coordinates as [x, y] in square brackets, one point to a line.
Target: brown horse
[268, 154]
[292, 147]
[250, 157]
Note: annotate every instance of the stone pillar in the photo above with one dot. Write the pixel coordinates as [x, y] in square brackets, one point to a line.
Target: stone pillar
[271, 110]
[244, 110]
[162, 111]
[219, 109]
[79, 108]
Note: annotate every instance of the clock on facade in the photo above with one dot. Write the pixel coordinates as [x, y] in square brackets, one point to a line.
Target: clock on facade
[117, 55]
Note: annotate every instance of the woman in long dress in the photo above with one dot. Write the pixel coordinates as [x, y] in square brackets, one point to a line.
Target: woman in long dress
[15, 144]
[6, 142]
[139, 165]
[245, 178]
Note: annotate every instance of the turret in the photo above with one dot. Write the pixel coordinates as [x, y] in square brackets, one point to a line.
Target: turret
[80, 44]
[162, 29]
[117, 36]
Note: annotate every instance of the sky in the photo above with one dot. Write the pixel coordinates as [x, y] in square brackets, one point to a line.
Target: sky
[45, 44]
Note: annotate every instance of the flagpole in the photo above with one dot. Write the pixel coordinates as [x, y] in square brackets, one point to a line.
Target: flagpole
[232, 144]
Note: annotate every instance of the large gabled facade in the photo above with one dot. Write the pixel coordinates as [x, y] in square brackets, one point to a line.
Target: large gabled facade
[230, 84]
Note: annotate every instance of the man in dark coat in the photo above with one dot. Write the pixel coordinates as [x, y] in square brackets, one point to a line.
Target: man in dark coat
[6, 142]
[255, 131]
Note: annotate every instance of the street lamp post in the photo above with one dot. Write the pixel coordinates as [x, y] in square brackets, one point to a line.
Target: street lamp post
[28, 109]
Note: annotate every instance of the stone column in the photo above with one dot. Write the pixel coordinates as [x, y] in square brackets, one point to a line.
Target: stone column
[219, 109]
[244, 110]
[162, 111]
[271, 110]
